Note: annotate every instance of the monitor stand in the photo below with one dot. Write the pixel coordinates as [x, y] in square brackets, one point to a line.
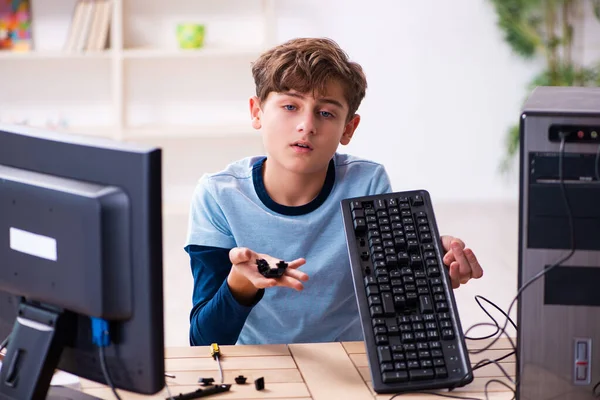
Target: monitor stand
[35, 346]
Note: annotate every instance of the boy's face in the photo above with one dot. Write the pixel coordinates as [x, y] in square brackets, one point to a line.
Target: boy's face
[301, 132]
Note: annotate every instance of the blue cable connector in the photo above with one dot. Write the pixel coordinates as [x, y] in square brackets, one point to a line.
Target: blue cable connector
[100, 333]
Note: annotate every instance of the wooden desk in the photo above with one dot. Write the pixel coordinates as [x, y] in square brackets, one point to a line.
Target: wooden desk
[324, 371]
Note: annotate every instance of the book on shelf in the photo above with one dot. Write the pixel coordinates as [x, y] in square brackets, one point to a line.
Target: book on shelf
[15, 25]
[90, 26]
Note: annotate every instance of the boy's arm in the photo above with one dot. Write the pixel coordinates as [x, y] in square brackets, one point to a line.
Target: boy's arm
[216, 316]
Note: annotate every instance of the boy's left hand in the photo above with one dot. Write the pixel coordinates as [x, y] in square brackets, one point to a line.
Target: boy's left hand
[462, 263]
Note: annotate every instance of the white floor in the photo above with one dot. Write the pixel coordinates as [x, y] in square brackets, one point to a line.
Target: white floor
[490, 229]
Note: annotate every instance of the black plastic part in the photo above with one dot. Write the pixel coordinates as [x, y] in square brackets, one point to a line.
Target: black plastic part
[259, 383]
[240, 380]
[196, 394]
[206, 381]
[271, 272]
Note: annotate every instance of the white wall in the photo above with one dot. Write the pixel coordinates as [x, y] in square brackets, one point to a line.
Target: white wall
[443, 88]
[443, 85]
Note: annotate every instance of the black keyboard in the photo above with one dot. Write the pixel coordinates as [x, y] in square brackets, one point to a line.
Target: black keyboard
[412, 332]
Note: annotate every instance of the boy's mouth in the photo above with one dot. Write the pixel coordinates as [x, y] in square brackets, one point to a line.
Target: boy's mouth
[302, 144]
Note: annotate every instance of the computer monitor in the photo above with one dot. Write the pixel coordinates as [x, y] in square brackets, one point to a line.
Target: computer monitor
[80, 242]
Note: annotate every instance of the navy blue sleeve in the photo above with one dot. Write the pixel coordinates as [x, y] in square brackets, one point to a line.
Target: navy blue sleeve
[216, 316]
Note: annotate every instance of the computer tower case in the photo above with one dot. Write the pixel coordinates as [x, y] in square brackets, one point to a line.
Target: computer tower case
[558, 339]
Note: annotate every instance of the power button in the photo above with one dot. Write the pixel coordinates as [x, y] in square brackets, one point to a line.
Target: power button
[582, 361]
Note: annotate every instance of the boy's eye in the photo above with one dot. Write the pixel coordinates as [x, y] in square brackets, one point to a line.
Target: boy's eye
[289, 107]
[326, 114]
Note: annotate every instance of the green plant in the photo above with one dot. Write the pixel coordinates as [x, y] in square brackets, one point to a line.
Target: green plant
[546, 28]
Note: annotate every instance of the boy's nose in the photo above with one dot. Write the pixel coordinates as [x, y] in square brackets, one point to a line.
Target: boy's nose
[307, 125]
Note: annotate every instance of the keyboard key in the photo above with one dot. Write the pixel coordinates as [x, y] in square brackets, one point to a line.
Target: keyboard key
[426, 238]
[416, 200]
[427, 247]
[393, 330]
[360, 225]
[413, 364]
[355, 205]
[439, 297]
[374, 241]
[425, 304]
[420, 336]
[394, 377]
[400, 366]
[380, 205]
[436, 353]
[376, 311]
[384, 353]
[447, 334]
[381, 339]
[424, 353]
[388, 304]
[399, 301]
[387, 367]
[421, 374]
[374, 300]
[432, 335]
[369, 280]
[441, 373]
[359, 213]
[380, 330]
[372, 289]
[407, 338]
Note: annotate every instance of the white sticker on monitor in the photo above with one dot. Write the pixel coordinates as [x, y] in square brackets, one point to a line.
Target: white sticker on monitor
[33, 244]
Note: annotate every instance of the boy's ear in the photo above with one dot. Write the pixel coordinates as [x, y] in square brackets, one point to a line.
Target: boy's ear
[255, 112]
[349, 129]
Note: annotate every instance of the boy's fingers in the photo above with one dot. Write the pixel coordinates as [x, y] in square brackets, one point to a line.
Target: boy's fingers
[454, 274]
[261, 282]
[298, 262]
[299, 275]
[476, 270]
[239, 255]
[448, 258]
[290, 282]
[464, 265]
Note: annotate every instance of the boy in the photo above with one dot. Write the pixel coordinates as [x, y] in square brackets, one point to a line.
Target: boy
[286, 206]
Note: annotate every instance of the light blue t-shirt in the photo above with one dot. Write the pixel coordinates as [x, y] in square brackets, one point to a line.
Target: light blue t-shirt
[231, 208]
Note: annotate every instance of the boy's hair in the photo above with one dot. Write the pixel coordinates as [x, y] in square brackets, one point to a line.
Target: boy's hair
[308, 64]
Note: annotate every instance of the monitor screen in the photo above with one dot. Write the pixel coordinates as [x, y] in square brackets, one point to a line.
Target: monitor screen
[80, 261]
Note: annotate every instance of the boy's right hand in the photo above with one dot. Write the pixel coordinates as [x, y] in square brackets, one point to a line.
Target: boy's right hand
[243, 262]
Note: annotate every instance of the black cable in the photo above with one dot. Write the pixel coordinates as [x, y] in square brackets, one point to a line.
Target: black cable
[596, 164]
[546, 270]
[488, 383]
[105, 372]
[500, 331]
[477, 297]
[487, 361]
[596, 390]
